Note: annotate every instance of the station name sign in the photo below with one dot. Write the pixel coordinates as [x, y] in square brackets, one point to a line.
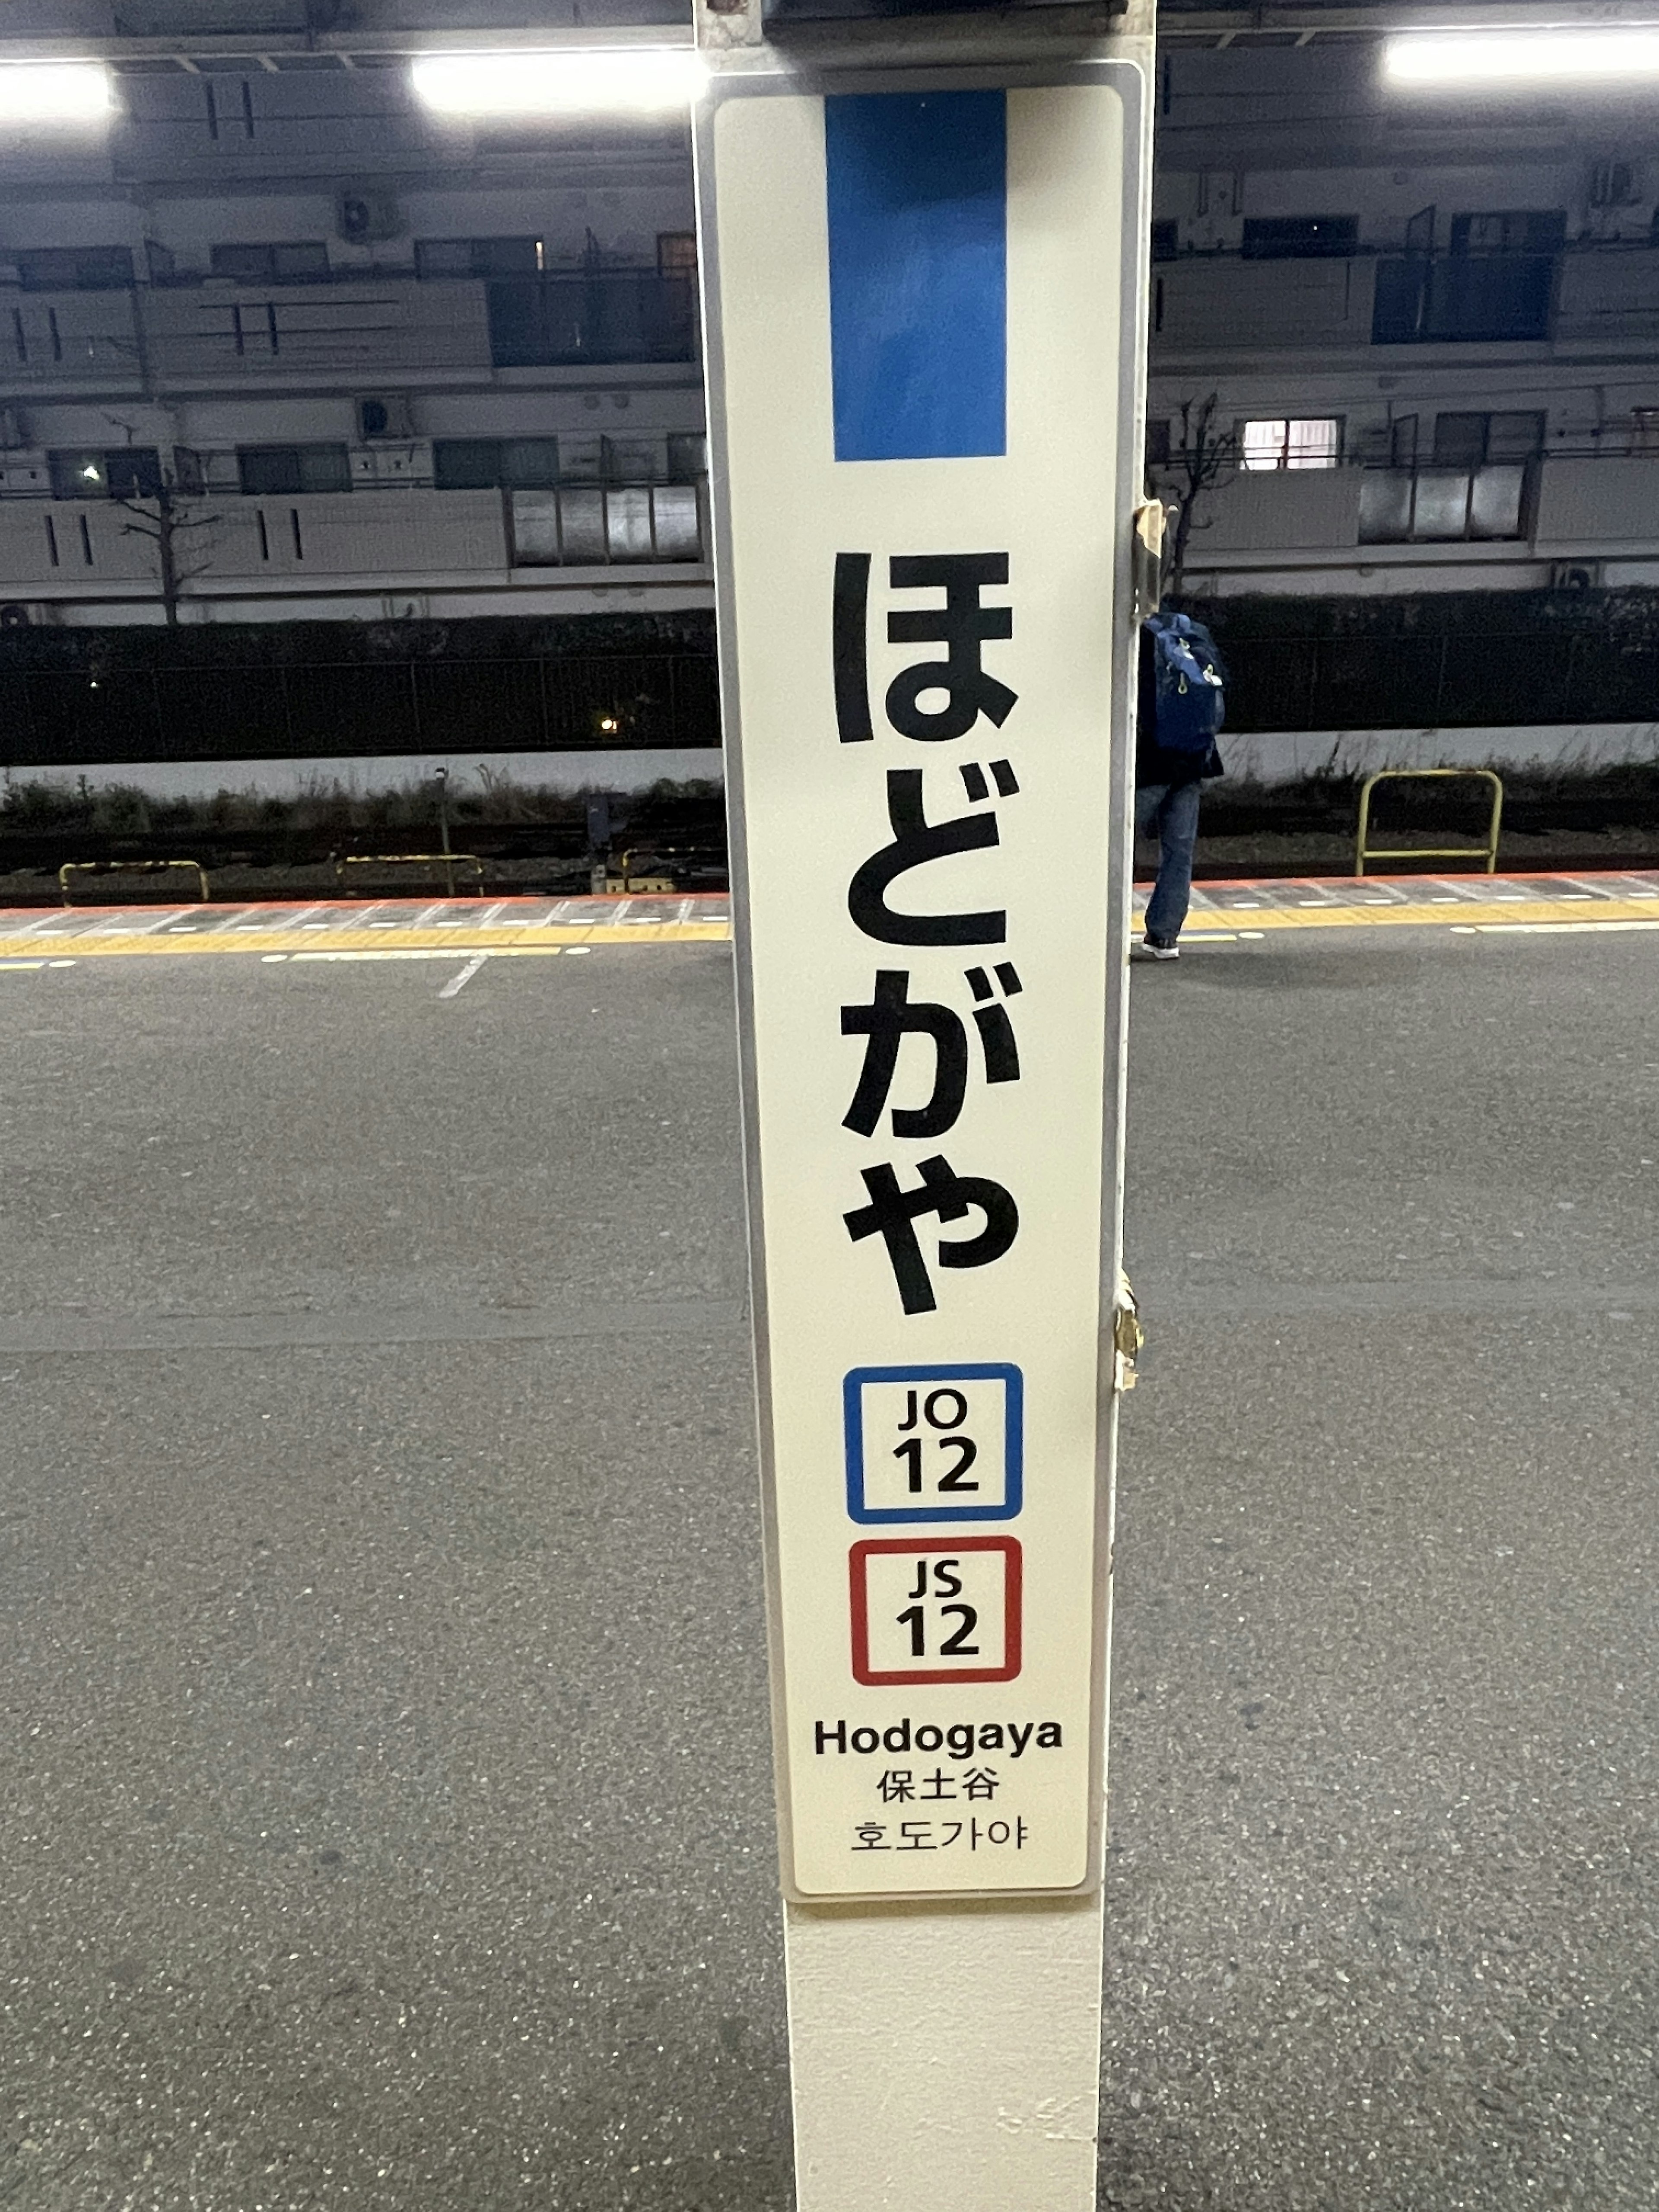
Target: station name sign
[923, 292]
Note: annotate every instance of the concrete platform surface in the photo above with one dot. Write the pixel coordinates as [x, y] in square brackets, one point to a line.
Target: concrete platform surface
[387, 1809]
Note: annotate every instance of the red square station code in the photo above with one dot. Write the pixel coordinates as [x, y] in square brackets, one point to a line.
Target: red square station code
[936, 1611]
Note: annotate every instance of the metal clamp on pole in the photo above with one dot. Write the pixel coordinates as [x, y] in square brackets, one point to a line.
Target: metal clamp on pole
[1488, 852]
[1127, 1337]
[1152, 518]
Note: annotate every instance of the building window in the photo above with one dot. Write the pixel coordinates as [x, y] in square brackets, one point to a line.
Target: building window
[1157, 444]
[1469, 441]
[1299, 442]
[477, 257]
[1402, 442]
[688, 457]
[592, 526]
[485, 463]
[1645, 430]
[534, 464]
[1434, 506]
[1540, 231]
[303, 262]
[120, 472]
[270, 470]
[75, 269]
[1299, 237]
[677, 253]
[1467, 296]
[604, 315]
[1166, 239]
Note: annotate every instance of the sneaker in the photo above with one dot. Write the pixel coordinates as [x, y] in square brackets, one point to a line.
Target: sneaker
[1156, 951]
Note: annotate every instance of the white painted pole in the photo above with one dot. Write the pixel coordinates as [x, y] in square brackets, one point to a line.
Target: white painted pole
[945, 2011]
[945, 2059]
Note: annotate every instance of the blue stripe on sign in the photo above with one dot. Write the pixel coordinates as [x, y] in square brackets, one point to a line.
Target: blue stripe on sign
[917, 187]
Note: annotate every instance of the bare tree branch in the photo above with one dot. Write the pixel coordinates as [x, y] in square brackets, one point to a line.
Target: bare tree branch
[164, 517]
[1205, 456]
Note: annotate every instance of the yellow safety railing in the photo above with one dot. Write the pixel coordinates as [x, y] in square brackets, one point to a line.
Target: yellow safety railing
[447, 861]
[127, 867]
[622, 876]
[1488, 852]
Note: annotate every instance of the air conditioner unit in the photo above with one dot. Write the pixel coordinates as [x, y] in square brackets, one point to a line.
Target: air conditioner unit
[1576, 576]
[383, 415]
[363, 213]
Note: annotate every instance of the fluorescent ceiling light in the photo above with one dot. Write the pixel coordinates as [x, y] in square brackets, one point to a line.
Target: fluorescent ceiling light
[55, 92]
[642, 80]
[1545, 57]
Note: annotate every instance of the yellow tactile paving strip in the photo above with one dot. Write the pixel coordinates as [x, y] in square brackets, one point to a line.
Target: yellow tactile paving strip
[414, 929]
[401, 930]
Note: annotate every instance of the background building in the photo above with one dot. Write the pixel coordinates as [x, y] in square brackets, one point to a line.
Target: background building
[407, 411]
[330, 430]
[1405, 374]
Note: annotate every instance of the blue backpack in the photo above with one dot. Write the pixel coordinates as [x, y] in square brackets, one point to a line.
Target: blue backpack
[1189, 684]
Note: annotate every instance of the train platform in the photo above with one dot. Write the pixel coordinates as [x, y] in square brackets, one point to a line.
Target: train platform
[389, 1807]
[439, 929]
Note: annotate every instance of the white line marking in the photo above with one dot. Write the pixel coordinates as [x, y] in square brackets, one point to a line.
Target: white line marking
[150, 928]
[1558, 928]
[432, 952]
[459, 982]
[15, 966]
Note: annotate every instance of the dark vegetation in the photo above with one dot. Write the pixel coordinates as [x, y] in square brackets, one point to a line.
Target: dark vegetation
[530, 838]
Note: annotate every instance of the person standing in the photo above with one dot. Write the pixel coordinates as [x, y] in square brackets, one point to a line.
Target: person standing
[1182, 700]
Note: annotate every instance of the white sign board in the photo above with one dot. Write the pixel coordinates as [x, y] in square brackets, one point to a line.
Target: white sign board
[923, 319]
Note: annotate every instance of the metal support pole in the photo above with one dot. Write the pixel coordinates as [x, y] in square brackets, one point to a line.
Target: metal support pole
[442, 780]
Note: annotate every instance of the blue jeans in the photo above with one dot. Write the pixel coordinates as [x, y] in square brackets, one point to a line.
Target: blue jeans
[1171, 810]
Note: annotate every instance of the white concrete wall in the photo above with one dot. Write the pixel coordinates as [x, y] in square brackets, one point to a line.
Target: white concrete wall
[1285, 757]
[1594, 505]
